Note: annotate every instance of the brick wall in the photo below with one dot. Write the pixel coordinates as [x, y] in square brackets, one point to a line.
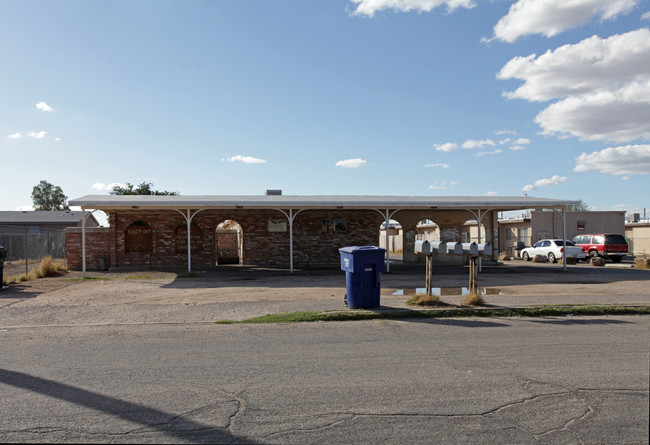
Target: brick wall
[312, 245]
[97, 247]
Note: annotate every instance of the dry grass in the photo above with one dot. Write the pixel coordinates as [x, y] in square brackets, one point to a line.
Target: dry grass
[425, 300]
[473, 299]
[48, 267]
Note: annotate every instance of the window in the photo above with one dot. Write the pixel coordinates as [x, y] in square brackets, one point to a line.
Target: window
[277, 225]
[138, 237]
[335, 225]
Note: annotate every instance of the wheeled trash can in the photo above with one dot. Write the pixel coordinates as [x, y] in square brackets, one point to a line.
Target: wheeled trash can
[363, 266]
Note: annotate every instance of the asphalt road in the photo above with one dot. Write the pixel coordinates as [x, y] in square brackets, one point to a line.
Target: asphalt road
[550, 380]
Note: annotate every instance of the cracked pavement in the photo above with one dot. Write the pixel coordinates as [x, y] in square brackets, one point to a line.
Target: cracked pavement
[505, 380]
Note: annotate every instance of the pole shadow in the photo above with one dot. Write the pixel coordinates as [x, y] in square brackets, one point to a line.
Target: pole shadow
[152, 419]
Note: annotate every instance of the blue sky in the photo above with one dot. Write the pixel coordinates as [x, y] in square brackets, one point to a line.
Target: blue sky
[385, 97]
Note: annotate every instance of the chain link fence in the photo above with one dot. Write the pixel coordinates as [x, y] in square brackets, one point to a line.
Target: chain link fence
[27, 246]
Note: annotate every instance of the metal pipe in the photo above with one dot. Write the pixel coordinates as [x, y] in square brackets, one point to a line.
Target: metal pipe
[83, 243]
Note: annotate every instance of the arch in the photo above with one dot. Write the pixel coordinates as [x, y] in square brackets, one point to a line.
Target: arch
[229, 243]
[138, 237]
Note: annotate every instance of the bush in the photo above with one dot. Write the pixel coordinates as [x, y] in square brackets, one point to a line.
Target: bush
[642, 262]
[50, 267]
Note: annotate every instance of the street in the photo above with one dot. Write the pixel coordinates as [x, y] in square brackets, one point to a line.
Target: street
[506, 380]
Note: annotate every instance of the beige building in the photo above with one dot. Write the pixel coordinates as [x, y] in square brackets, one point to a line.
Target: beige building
[638, 237]
[548, 224]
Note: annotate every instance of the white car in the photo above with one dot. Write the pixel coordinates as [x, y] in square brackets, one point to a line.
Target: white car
[553, 249]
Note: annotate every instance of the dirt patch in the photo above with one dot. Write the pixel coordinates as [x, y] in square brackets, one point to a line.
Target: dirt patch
[233, 292]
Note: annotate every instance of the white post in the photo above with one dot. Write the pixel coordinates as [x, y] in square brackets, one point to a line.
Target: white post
[189, 245]
[387, 241]
[564, 239]
[291, 240]
[83, 243]
[480, 264]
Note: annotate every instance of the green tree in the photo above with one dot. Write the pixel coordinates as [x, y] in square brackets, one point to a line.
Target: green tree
[46, 196]
[146, 188]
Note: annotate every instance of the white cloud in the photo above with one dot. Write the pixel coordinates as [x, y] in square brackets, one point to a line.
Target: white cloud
[449, 146]
[472, 144]
[44, 107]
[493, 152]
[620, 116]
[646, 16]
[551, 17]
[245, 159]
[504, 131]
[517, 147]
[594, 63]
[37, 134]
[623, 160]
[26, 208]
[57, 139]
[491, 193]
[370, 7]
[15, 136]
[351, 163]
[101, 187]
[554, 180]
[603, 87]
[442, 185]
[437, 164]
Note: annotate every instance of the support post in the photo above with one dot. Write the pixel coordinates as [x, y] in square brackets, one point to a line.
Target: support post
[387, 241]
[429, 272]
[564, 239]
[83, 243]
[473, 275]
[189, 245]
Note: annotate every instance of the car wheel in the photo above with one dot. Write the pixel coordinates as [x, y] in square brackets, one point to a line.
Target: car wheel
[616, 259]
[593, 254]
[525, 256]
[551, 257]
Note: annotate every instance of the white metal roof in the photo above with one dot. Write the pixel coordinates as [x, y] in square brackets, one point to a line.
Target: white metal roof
[152, 202]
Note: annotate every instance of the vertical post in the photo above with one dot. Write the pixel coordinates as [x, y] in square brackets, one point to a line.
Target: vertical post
[189, 245]
[387, 241]
[291, 240]
[429, 272]
[564, 239]
[83, 243]
[479, 235]
[473, 276]
[26, 257]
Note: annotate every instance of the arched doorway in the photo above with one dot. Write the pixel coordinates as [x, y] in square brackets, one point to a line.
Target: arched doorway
[229, 242]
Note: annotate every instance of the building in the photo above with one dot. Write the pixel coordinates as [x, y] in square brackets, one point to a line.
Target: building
[33, 234]
[549, 224]
[274, 230]
[637, 232]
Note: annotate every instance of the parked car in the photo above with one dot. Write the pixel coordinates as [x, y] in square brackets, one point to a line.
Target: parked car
[606, 245]
[553, 249]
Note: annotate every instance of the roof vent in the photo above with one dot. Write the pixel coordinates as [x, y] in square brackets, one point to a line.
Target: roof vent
[274, 193]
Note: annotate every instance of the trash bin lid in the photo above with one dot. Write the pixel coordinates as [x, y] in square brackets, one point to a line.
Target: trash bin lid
[351, 249]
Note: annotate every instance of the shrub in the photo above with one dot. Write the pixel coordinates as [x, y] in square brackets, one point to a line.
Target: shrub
[425, 300]
[473, 299]
[642, 262]
[50, 267]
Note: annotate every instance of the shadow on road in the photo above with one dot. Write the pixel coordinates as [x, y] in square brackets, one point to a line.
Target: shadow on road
[155, 420]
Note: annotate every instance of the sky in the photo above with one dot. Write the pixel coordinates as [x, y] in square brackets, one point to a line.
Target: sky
[549, 98]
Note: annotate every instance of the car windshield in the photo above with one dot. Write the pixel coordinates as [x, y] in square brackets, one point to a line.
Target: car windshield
[614, 239]
[558, 242]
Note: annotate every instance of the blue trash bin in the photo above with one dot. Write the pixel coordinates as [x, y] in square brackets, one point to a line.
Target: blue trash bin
[363, 266]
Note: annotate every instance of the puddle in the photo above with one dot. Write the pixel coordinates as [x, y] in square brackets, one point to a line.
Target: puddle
[445, 291]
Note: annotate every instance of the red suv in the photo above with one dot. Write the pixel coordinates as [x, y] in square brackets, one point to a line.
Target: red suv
[605, 245]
